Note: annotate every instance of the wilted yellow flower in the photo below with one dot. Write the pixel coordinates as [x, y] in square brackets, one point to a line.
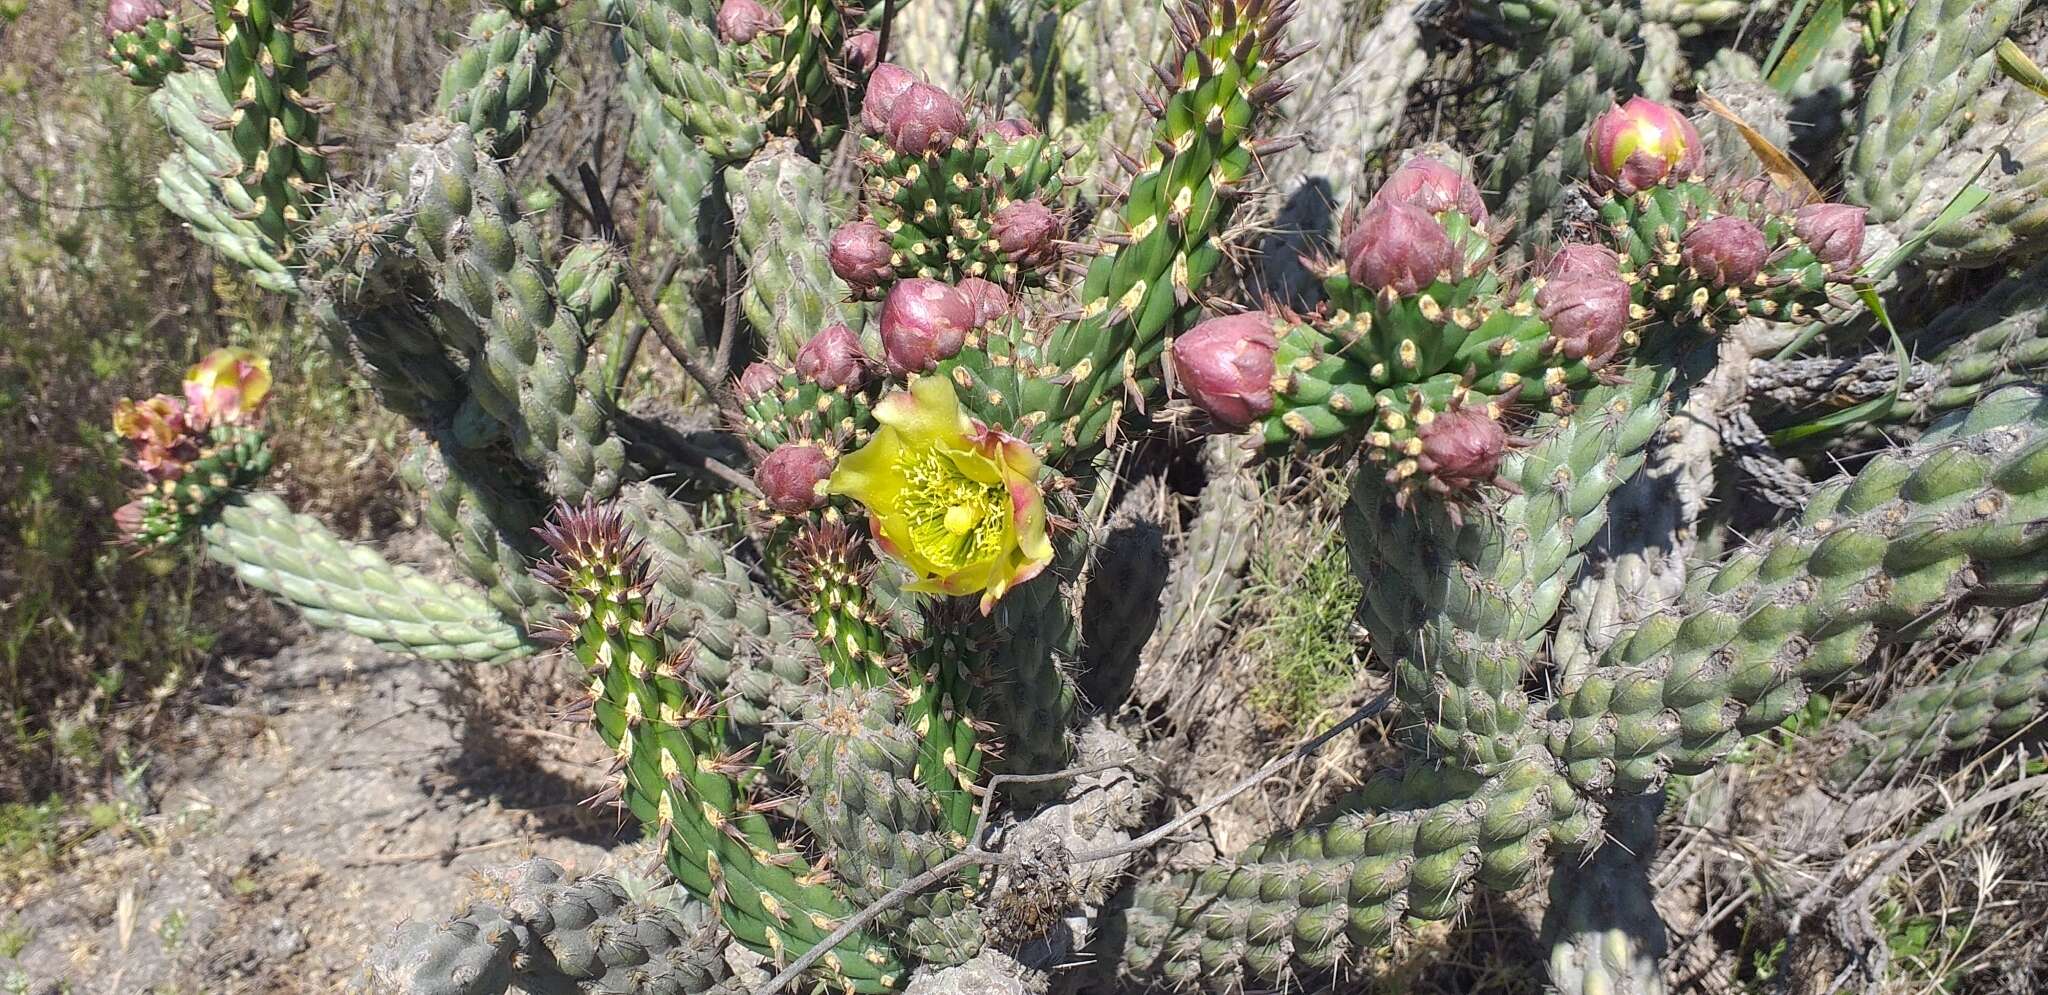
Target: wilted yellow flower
[227, 387]
[159, 439]
[956, 500]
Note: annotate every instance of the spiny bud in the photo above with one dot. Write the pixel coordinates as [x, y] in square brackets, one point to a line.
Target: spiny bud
[1434, 187]
[1225, 365]
[1025, 230]
[989, 300]
[861, 255]
[832, 359]
[1834, 231]
[792, 477]
[1462, 447]
[742, 21]
[885, 84]
[923, 323]
[1587, 315]
[128, 521]
[1725, 251]
[1642, 143]
[924, 119]
[757, 379]
[1583, 259]
[861, 49]
[124, 16]
[1399, 247]
[1011, 129]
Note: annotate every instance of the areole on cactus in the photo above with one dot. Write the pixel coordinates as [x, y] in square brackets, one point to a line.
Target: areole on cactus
[955, 500]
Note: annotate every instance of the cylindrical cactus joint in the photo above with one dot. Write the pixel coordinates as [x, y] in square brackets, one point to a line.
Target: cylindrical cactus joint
[1640, 144]
[1225, 366]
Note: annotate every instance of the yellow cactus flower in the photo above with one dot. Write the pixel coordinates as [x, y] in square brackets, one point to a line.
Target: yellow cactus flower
[227, 387]
[956, 500]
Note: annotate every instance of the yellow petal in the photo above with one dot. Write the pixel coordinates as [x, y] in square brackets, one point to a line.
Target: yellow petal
[869, 474]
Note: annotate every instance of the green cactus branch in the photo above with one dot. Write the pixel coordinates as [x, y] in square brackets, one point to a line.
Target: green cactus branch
[1979, 703]
[337, 584]
[1872, 560]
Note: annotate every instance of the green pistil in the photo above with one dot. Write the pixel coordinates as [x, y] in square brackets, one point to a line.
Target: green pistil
[954, 519]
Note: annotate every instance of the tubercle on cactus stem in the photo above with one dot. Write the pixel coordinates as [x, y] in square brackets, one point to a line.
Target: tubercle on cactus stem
[672, 766]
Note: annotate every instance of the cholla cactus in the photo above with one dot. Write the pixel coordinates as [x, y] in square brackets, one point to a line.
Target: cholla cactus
[822, 611]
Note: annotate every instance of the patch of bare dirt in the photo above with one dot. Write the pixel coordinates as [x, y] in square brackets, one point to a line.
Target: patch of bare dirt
[335, 792]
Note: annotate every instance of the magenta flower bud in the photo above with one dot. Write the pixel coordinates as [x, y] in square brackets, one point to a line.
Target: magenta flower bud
[885, 84]
[861, 255]
[1725, 251]
[1011, 129]
[861, 49]
[1432, 186]
[1642, 143]
[1225, 365]
[1587, 315]
[757, 379]
[1583, 259]
[833, 359]
[1025, 231]
[1399, 247]
[990, 301]
[924, 322]
[1835, 231]
[792, 478]
[1462, 447]
[924, 119]
[128, 522]
[742, 21]
[124, 16]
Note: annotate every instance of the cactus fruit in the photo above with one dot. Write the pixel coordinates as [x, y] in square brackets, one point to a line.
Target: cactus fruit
[830, 599]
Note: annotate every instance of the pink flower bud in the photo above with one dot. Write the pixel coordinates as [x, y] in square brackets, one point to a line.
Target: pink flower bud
[792, 478]
[1225, 365]
[1462, 447]
[1587, 315]
[885, 84]
[1025, 231]
[758, 379]
[1399, 247]
[124, 16]
[1835, 231]
[861, 49]
[1434, 187]
[1011, 129]
[1725, 251]
[742, 21]
[861, 255]
[1582, 259]
[128, 522]
[990, 301]
[924, 322]
[924, 119]
[1642, 143]
[833, 359]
